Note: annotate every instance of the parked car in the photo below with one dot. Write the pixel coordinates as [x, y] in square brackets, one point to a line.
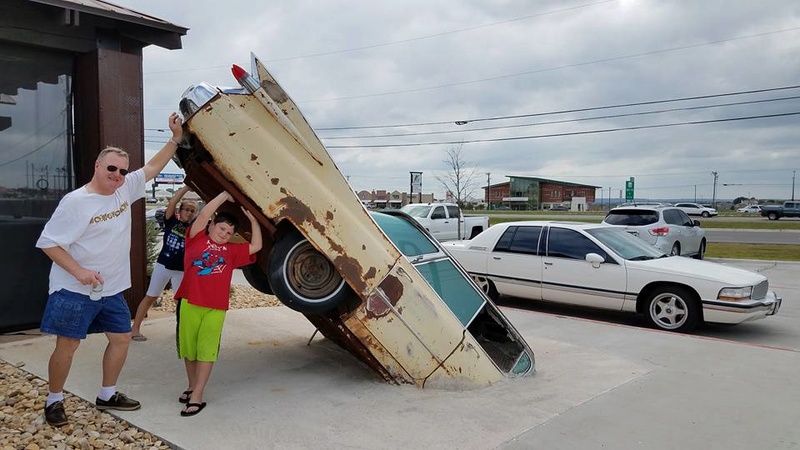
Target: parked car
[559, 208]
[775, 212]
[666, 227]
[605, 267]
[696, 209]
[376, 284]
[750, 209]
[442, 220]
[151, 200]
[157, 215]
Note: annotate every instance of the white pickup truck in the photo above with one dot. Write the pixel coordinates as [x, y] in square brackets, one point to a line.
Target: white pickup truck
[445, 221]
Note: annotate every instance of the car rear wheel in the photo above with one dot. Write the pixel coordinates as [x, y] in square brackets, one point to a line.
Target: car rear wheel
[772, 216]
[486, 286]
[676, 249]
[303, 278]
[701, 252]
[673, 308]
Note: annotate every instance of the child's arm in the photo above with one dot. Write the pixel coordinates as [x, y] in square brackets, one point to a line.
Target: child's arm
[173, 202]
[208, 211]
[255, 232]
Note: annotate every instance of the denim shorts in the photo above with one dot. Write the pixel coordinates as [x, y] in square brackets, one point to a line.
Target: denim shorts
[74, 315]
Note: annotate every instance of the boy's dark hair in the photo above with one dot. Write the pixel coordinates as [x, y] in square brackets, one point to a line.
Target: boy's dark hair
[226, 217]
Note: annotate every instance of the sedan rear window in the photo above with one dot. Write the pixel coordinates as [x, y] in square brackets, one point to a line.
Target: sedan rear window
[631, 217]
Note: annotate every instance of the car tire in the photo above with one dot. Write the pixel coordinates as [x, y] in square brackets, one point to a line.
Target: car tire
[673, 308]
[676, 249]
[303, 278]
[487, 286]
[701, 252]
[705, 214]
[772, 216]
[257, 278]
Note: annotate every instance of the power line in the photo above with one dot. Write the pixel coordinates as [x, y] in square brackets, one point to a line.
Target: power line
[581, 119]
[551, 69]
[402, 41]
[573, 133]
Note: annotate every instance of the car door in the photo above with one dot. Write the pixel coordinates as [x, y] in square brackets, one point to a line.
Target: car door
[689, 235]
[690, 208]
[439, 224]
[514, 265]
[568, 278]
[453, 215]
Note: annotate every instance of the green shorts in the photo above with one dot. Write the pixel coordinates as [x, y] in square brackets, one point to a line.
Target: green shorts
[199, 332]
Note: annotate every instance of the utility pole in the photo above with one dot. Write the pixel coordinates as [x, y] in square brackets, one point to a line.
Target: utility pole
[794, 172]
[488, 187]
[714, 192]
[695, 193]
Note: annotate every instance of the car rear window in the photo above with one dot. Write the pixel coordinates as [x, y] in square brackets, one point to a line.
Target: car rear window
[631, 217]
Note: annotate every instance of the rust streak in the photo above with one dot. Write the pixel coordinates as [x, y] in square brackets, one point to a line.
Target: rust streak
[393, 289]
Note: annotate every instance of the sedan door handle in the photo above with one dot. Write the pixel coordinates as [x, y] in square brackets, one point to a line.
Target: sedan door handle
[497, 258]
[548, 264]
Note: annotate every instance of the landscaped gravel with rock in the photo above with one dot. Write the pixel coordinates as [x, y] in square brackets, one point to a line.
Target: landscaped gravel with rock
[22, 395]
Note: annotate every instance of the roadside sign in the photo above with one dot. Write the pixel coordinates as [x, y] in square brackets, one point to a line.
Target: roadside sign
[169, 178]
[629, 190]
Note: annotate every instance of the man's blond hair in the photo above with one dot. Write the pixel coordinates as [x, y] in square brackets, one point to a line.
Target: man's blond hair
[114, 150]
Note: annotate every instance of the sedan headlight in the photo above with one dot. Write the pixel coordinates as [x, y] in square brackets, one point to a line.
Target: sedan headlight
[735, 294]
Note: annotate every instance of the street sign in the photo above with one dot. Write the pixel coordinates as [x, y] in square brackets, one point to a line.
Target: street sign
[169, 178]
[629, 190]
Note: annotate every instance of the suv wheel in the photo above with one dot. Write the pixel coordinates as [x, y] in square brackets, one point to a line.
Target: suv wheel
[705, 214]
[701, 252]
[676, 249]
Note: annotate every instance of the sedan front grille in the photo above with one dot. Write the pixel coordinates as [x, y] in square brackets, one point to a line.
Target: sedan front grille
[760, 290]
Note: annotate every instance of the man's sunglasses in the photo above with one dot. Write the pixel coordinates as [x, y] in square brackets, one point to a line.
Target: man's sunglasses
[122, 172]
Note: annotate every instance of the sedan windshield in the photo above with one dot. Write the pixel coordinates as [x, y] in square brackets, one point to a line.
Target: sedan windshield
[416, 211]
[625, 245]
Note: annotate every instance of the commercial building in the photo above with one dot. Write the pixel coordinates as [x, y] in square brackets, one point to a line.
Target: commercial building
[533, 193]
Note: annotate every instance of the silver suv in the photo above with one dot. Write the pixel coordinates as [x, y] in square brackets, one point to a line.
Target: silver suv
[668, 228]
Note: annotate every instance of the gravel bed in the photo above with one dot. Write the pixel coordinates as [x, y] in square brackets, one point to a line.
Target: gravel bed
[22, 396]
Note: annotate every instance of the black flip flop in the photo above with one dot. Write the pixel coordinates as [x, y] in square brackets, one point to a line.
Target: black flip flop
[199, 407]
[185, 397]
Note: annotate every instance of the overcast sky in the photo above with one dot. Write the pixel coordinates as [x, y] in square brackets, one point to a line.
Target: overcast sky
[352, 64]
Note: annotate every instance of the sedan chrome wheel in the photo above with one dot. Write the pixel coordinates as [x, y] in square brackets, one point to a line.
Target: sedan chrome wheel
[486, 286]
[673, 309]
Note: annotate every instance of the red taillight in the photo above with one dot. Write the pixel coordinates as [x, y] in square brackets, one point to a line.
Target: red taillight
[662, 231]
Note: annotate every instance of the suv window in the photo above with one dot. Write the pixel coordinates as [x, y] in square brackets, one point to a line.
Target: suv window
[677, 217]
[631, 217]
[520, 240]
[563, 243]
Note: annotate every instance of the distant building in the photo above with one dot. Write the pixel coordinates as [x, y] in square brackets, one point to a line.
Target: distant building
[533, 193]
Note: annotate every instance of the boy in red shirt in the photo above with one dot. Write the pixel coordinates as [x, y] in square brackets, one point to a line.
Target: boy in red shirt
[209, 260]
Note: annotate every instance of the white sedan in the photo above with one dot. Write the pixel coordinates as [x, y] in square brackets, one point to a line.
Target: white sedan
[605, 267]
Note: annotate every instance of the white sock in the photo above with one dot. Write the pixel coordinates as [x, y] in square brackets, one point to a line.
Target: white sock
[53, 397]
[106, 392]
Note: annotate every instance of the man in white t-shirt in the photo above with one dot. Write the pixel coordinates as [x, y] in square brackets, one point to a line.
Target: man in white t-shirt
[89, 240]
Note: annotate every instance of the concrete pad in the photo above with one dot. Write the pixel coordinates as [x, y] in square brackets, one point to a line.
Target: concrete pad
[271, 390]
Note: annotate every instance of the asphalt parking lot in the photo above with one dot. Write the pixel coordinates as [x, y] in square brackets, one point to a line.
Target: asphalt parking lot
[601, 382]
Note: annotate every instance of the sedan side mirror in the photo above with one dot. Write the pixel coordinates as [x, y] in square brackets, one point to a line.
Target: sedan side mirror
[696, 223]
[595, 259]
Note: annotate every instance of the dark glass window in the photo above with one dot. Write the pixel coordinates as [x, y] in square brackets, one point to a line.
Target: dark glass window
[563, 243]
[35, 135]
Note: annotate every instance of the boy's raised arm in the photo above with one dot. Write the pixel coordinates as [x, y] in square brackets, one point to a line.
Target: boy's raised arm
[208, 211]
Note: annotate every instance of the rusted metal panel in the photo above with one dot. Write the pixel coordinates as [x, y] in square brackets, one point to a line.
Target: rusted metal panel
[267, 163]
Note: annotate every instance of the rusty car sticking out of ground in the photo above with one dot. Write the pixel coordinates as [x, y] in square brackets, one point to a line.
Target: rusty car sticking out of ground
[376, 284]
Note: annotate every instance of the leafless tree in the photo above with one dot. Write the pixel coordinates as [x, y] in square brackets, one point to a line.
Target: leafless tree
[459, 178]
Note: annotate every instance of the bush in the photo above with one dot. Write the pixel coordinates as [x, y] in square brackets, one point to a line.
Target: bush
[151, 234]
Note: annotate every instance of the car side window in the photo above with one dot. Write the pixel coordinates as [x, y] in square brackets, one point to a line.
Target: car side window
[563, 243]
[438, 213]
[526, 240]
[685, 219]
[504, 244]
[452, 211]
